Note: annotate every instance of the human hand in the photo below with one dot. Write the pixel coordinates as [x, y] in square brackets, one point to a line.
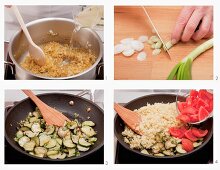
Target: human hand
[194, 22]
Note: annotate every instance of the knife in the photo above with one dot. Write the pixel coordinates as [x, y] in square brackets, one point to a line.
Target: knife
[152, 24]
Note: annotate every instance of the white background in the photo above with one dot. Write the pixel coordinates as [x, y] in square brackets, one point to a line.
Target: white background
[109, 84]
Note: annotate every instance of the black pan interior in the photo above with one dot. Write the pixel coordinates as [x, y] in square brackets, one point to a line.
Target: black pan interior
[151, 99]
[59, 101]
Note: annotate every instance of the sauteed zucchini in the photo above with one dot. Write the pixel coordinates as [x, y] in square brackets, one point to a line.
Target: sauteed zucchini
[42, 140]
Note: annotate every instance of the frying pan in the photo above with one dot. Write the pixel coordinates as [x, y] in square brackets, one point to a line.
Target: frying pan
[60, 101]
[151, 99]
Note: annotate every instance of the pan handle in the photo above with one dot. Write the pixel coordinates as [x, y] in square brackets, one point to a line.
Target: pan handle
[100, 67]
[11, 66]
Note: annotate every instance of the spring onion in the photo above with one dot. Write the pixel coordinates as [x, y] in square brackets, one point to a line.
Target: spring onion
[182, 71]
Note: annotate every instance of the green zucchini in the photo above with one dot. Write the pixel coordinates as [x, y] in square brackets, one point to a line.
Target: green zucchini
[29, 146]
[82, 148]
[68, 143]
[88, 131]
[83, 142]
[23, 140]
[88, 123]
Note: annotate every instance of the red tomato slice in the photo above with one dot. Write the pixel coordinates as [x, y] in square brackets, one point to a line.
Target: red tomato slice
[202, 95]
[194, 93]
[183, 118]
[203, 113]
[189, 100]
[187, 145]
[200, 103]
[199, 133]
[176, 132]
[210, 108]
[189, 110]
[188, 134]
[209, 95]
[181, 105]
[194, 118]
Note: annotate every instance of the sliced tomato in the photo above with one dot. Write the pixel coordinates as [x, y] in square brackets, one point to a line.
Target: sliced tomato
[209, 95]
[203, 95]
[181, 106]
[188, 134]
[184, 129]
[199, 133]
[203, 113]
[194, 93]
[183, 118]
[200, 103]
[194, 118]
[210, 108]
[187, 145]
[176, 132]
[189, 100]
[189, 110]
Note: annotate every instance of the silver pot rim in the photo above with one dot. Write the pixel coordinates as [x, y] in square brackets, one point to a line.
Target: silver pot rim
[55, 78]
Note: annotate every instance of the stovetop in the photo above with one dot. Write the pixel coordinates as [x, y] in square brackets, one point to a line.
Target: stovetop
[203, 156]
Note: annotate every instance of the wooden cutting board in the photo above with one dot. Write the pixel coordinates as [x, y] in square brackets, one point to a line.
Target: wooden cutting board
[130, 21]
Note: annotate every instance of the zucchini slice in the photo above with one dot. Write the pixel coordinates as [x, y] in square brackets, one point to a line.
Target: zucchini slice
[23, 140]
[75, 139]
[180, 149]
[19, 134]
[88, 123]
[71, 152]
[49, 129]
[36, 128]
[33, 119]
[59, 141]
[52, 153]
[71, 125]
[68, 143]
[44, 139]
[24, 128]
[62, 132]
[196, 144]
[52, 143]
[83, 142]
[61, 156]
[29, 134]
[28, 124]
[92, 140]
[29, 146]
[88, 131]
[56, 148]
[82, 148]
[40, 150]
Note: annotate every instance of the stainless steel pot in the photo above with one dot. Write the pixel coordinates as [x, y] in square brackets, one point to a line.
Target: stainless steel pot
[40, 33]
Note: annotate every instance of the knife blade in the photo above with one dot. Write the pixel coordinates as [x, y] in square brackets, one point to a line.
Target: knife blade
[157, 33]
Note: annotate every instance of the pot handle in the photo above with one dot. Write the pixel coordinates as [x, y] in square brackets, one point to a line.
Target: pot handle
[11, 66]
[100, 66]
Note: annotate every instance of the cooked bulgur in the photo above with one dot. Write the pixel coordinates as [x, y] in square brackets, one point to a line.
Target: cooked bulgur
[61, 61]
[156, 120]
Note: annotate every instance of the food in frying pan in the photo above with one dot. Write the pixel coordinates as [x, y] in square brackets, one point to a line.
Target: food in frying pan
[62, 60]
[163, 133]
[50, 141]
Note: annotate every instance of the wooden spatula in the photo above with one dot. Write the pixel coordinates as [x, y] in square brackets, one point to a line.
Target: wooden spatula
[131, 118]
[50, 115]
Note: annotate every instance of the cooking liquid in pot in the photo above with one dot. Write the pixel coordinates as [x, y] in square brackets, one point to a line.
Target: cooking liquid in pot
[61, 60]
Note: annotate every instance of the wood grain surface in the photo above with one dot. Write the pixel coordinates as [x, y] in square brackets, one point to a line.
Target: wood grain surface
[130, 21]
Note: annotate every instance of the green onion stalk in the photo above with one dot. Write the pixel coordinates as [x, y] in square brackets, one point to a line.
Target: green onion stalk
[182, 71]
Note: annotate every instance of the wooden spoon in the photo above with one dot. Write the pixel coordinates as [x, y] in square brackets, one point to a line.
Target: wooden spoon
[131, 118]
[35, 51]
[50, 115]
